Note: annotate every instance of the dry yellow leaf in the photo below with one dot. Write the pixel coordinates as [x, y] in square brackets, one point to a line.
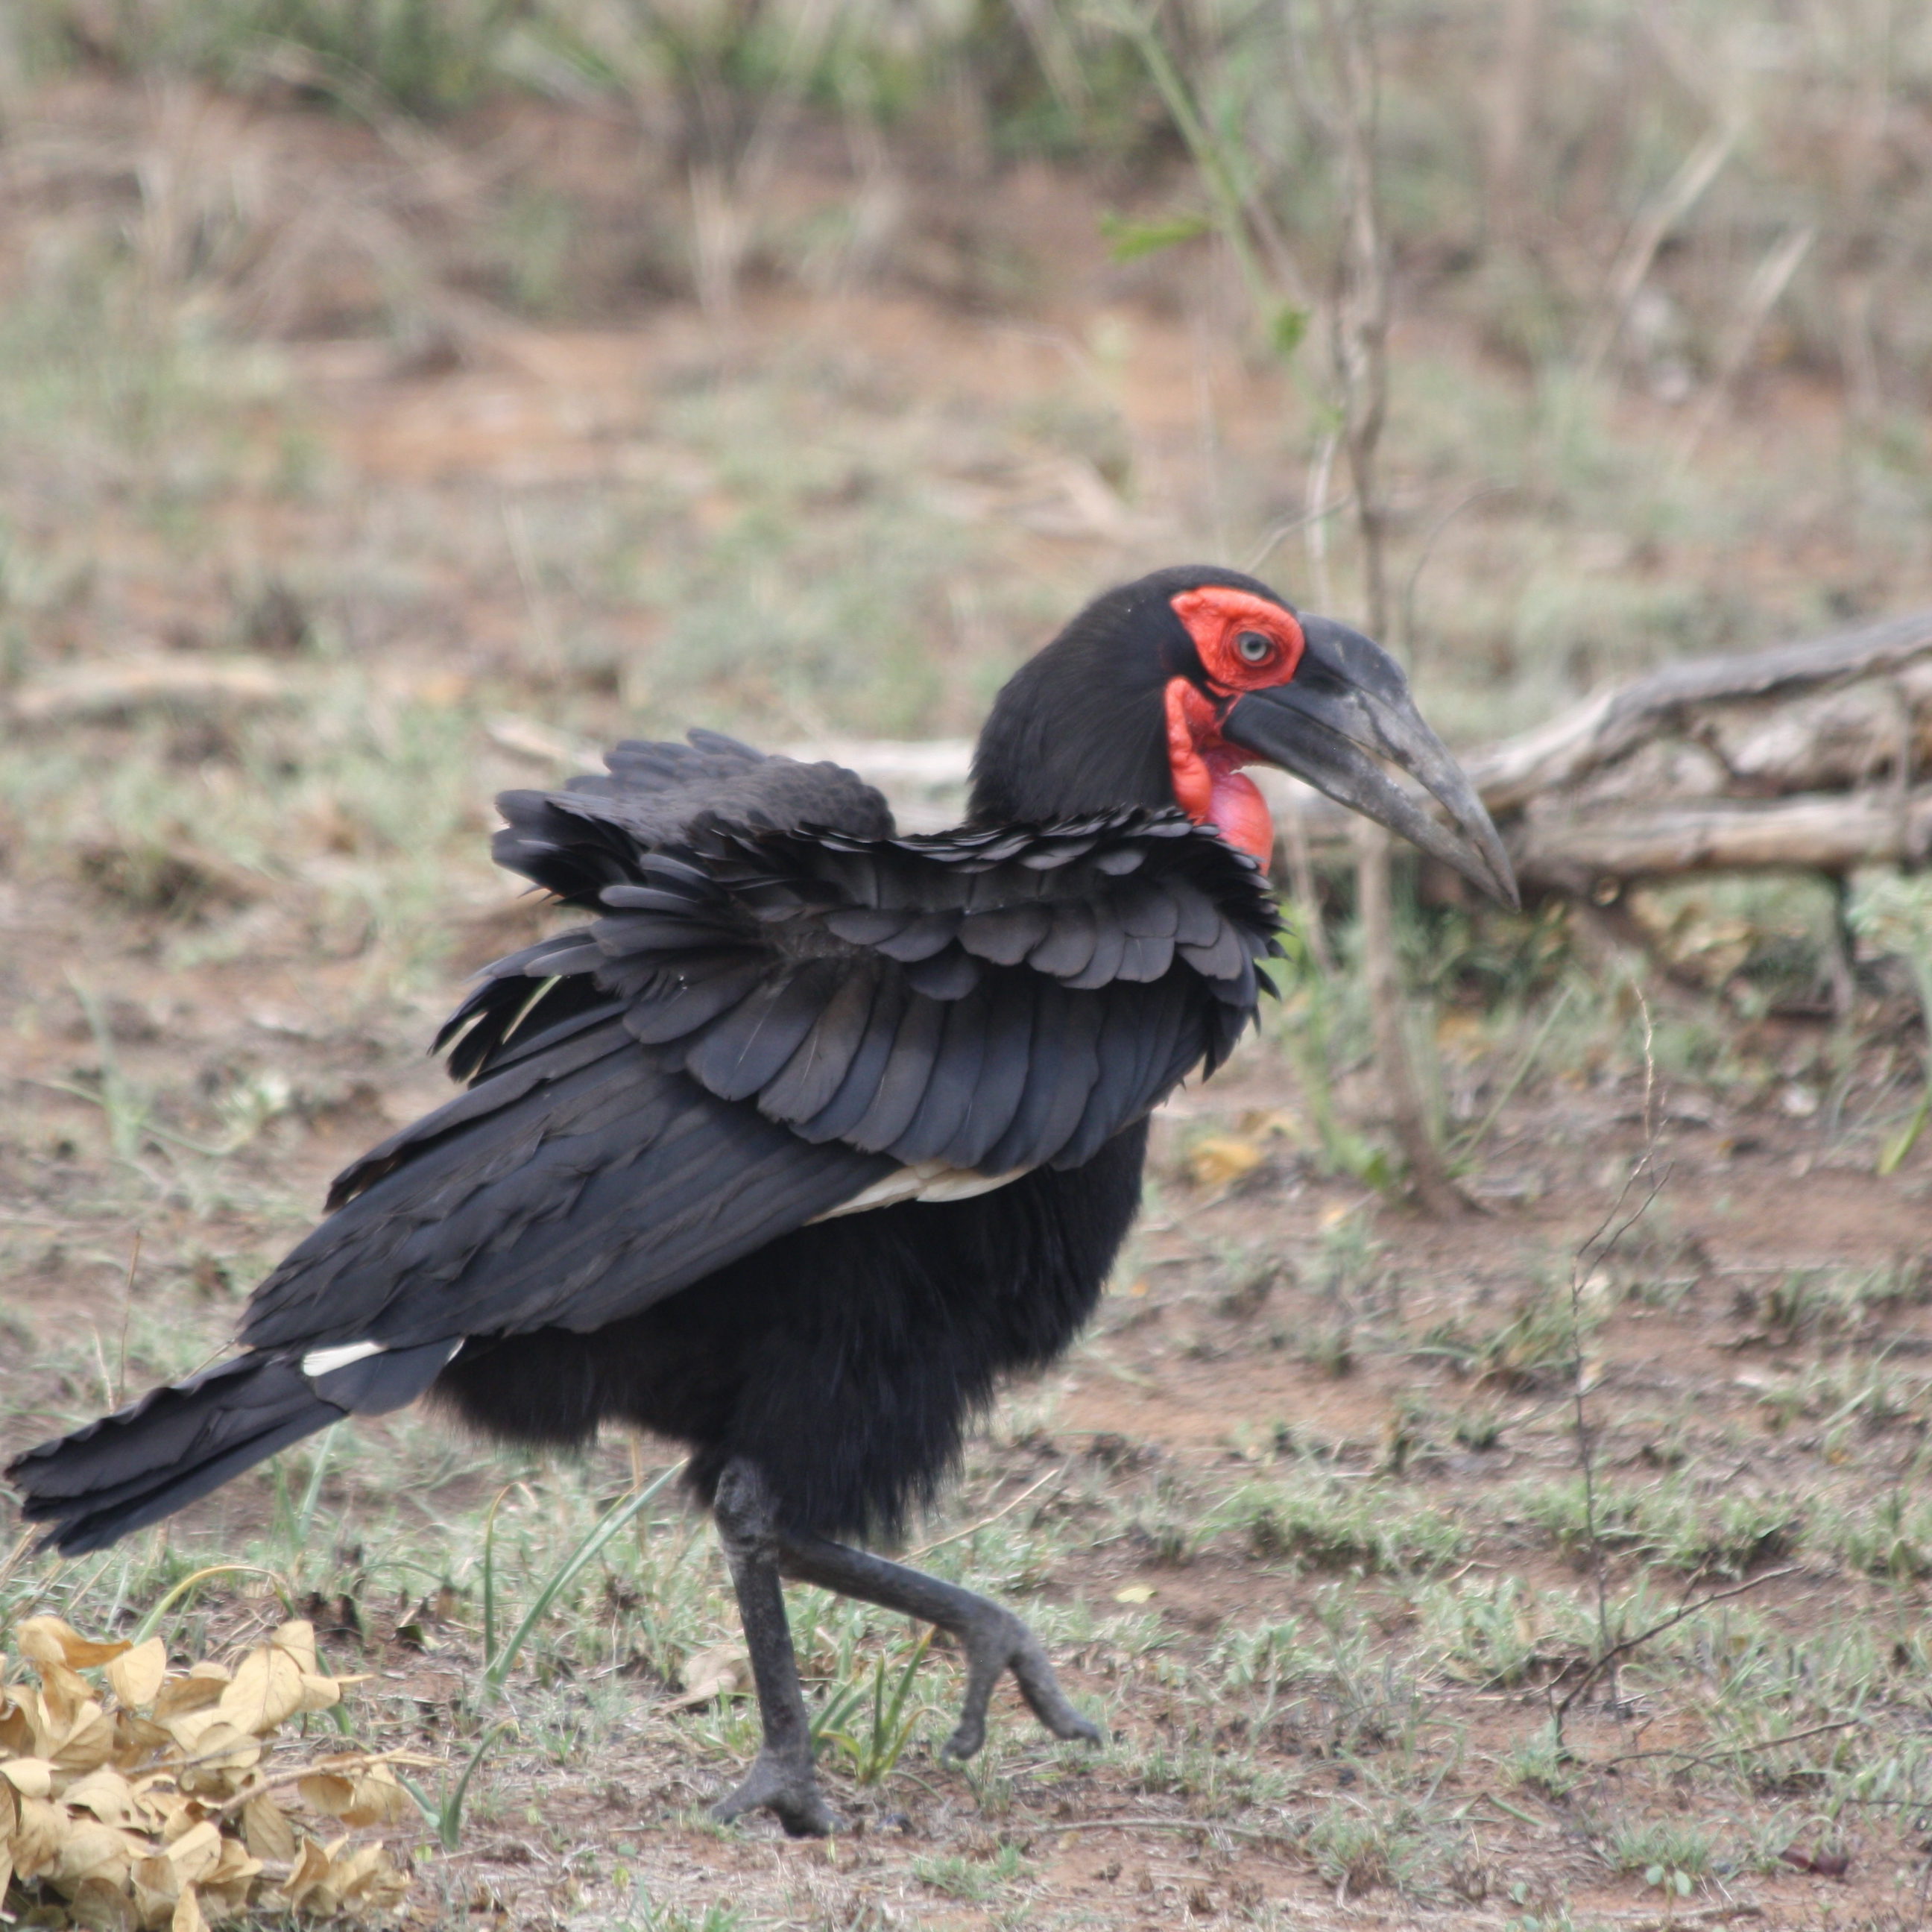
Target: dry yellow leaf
[63, 1695]
[98, 1803]
[194, 1692]
[156, 1886]
[16, 1727]
[265, 1825]
[266, 1691]
[228, 1884]
[37, 1836]
[366, 1877]
[196, 1851]
[136, 1738]
[31, 1776]
[221, 1754]
[309, 1876]
[53, 1640]
[1135, 1593]
[1221, 1159]
[89, 1850]
[108, 1795]
[137, 1675]
[101, 1905]
[187, 1813]
[186, 1727]
[297, 1637]
[320, 1694]
[87, 1745]
[378, 1799]
[720, 1671]
[327, 1792]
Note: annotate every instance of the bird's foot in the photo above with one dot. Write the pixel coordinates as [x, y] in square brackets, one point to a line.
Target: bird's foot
[996, 1642]
[786, 1785]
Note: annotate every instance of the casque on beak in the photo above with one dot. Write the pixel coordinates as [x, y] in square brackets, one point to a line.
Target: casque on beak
[1347, 706]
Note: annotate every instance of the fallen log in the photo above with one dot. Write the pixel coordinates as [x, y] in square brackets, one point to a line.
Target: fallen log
[1609, 726]
[1594, 855]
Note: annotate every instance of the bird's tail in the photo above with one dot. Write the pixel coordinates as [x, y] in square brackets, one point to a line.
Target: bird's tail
[143, 1462]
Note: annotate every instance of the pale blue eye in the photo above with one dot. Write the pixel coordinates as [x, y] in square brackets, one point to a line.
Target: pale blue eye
[1254, 647]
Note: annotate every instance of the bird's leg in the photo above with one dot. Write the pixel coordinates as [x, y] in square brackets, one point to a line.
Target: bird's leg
[782, 1779]
[994, 1640]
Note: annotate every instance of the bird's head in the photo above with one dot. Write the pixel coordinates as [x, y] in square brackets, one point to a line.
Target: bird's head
[1159, 692]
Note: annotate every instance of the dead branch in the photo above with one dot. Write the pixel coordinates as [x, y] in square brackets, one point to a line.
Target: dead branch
[1579, 856]
[1608, 726]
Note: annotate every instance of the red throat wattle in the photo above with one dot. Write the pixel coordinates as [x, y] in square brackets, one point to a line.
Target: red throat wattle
[1209, 784]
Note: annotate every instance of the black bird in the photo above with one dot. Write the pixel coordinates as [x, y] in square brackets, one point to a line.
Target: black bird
[814, 1131]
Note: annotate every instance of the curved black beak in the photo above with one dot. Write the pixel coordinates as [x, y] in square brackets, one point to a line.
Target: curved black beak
[1349, 705]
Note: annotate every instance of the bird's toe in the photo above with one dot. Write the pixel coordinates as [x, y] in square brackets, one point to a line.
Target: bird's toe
[788, 1790]
[968, 1735]
[1076, 1729]
[1001, 1642]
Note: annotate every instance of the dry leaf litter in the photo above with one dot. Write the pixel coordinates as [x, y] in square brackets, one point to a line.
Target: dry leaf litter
[152, 1803]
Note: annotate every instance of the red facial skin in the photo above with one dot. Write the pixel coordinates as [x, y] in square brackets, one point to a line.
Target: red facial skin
[1207, 779]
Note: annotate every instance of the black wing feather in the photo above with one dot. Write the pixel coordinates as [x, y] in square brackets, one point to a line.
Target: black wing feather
[934, 1131]
[735, 951]
[590, 1183]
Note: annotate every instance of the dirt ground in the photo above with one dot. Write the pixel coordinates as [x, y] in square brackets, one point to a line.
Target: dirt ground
[1339, 1507]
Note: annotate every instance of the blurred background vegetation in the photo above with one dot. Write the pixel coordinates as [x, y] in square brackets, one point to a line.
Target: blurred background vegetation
[1661, 353]
[489, 379]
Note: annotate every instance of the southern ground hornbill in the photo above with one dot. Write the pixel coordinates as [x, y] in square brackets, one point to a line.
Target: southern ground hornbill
[812, 1132]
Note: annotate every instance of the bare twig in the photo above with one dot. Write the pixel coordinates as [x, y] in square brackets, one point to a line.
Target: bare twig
[1375, 909]
[1595, 1249]
[342, 1765]
[1359, 327]
[1315, 526]
[1734, 1751]
[1206, 1828]
[1005, 1509]
[1682, 1614]
[1307, 899]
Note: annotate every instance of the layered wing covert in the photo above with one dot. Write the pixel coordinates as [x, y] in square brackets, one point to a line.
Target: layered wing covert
[580, 1183]
[990, 999]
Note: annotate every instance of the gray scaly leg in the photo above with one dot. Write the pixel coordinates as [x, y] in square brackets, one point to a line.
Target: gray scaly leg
[782, 1779]
[994, 1640]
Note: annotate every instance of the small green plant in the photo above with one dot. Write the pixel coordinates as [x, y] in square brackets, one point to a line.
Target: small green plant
[1531, 1350]
[971, 1879]
[1672, 1854]
[645, 1915]
[443, 1811]
[871, 1744]
[498, 1661]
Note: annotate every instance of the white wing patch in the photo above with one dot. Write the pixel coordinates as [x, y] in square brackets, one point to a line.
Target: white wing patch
[924, 1180]
[325, 1361]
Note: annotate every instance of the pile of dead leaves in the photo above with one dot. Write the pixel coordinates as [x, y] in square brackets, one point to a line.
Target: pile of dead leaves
[150, 1803]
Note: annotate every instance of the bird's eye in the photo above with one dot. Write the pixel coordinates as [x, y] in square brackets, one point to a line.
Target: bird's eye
[1254, 647]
